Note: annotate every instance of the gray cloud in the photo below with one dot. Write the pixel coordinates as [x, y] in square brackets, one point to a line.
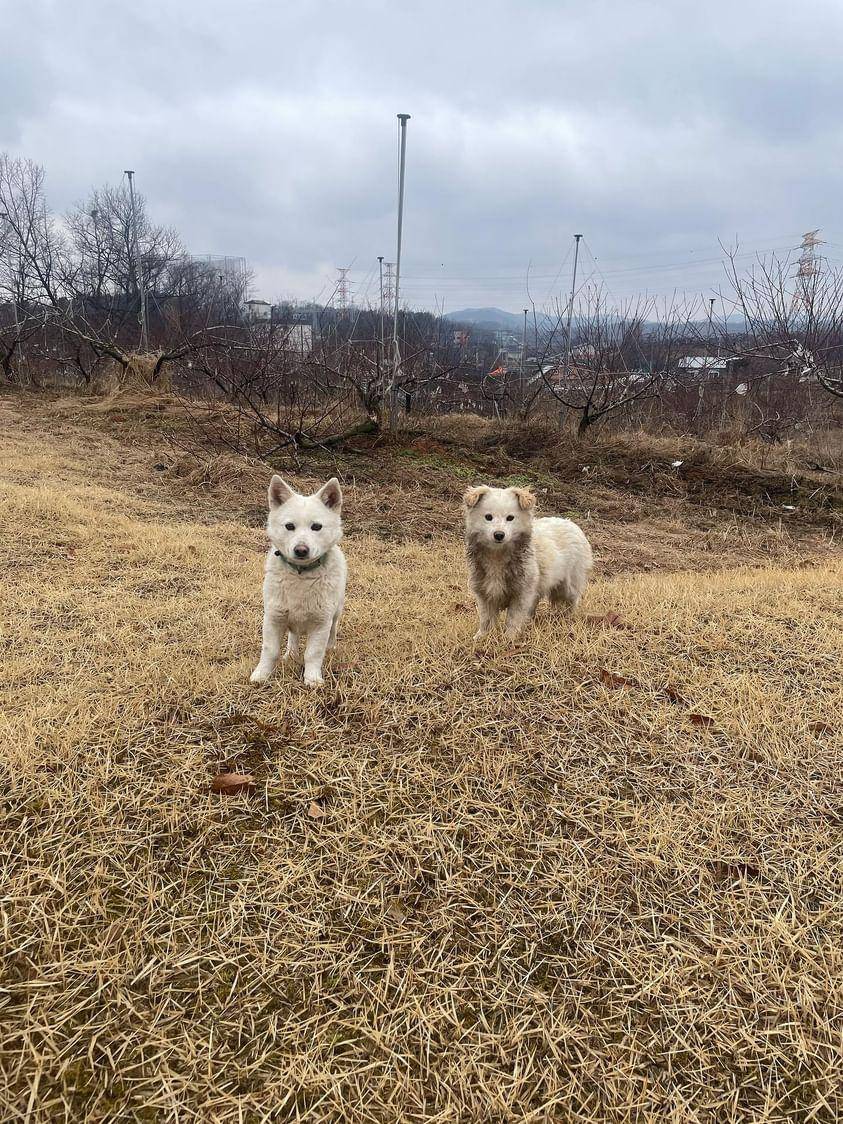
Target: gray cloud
[269, 131]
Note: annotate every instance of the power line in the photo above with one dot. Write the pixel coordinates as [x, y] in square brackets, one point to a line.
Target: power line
[508, 275]
[493, 279]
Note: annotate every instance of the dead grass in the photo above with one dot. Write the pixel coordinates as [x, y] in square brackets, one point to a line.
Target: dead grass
[636, 510]
[468, 885]
[752, 479]
[116, 381]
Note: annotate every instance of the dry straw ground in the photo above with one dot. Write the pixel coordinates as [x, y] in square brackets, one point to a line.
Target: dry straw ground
[595, 878]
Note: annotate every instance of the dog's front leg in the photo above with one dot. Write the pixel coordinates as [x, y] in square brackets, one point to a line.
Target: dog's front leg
[488, 615]
[273, 628]
[335, 624]
[518, 615]
[314, 653]
[292, 652]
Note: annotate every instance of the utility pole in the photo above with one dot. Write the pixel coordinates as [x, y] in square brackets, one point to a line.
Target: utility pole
[523, 357]
[571, 307]
[144, 337]
[403, 118]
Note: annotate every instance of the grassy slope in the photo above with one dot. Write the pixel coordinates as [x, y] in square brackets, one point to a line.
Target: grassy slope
[723, 506]
[531, 895]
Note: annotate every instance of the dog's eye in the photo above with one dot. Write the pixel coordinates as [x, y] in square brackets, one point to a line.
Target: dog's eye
[489, 518]
[316, 526]
[509, 518]
[290, 526]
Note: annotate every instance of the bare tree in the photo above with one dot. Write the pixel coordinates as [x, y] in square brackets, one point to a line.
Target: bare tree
[794, 320]
[30, 256]
[616, 357]
[104, 275]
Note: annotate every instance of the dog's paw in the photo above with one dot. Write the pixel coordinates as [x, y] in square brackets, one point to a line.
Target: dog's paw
[313, 679]
[481, 634]
[259, 675]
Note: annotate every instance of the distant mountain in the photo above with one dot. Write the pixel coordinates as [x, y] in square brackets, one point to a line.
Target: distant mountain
[494, 318]
[497, 320]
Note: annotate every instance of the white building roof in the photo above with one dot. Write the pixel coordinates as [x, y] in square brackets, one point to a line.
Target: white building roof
[703, 363]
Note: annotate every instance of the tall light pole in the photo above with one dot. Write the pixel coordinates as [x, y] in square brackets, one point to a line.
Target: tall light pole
[403, 118]
[523, 355]
[144, 337]
[571, 308]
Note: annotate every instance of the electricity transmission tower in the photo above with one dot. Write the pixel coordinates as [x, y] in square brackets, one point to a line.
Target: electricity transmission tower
[380, 308]
[388, 283]
[343, 301]
[807, 269]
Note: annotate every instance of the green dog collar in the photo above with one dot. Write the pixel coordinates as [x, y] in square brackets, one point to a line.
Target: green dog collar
[300, 569]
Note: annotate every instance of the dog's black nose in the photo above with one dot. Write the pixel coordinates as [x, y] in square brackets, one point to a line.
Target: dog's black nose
[301, 551]
[499, 536]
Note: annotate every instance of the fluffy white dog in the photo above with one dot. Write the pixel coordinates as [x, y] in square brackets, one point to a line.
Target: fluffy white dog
[514, 560]
[304, 583]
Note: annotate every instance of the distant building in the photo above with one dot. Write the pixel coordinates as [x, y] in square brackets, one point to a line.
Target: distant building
[703, 364]
[258, 312]
[584, 351]
[298, 336]
[294, 323]
[555, 373]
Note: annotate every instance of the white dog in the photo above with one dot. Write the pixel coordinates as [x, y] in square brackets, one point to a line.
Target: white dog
[304, 586]
[515, 560]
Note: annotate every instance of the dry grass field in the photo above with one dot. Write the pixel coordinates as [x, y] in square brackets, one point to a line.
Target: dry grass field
[593, 878]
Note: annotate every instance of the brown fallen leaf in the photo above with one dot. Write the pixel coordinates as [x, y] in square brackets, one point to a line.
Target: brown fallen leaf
[235, 719]
[672, 695]
[616, 681]
[608, 620]
[396, 910]
[267, 727]
[820, 727]
[316, 810]
[701, 719]
[227, 784]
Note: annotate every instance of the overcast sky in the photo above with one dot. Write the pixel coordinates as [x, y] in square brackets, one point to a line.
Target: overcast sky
[269, 131]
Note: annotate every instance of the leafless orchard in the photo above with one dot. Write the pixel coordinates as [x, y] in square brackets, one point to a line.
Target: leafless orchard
[764, 359]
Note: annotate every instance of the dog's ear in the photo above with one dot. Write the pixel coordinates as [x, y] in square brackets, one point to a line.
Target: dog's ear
[473, 496]
[331, 494]
[526, 499]
[279, 492]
